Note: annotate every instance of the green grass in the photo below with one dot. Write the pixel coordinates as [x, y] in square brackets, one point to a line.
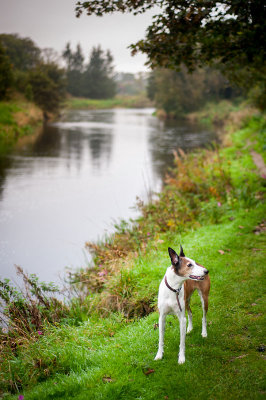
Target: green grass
[112, 357]
[108, 358]
[116, 102]
[10, 130]
[220, 113]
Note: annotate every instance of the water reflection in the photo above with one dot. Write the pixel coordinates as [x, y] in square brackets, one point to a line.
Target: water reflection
[167, 136]
[80, 175]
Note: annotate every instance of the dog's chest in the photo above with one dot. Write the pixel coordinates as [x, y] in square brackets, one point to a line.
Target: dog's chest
[167, 300]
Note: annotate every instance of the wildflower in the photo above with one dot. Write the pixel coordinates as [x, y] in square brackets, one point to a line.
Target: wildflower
[148, 233]
[21, 397]
[103, 273]
[39, 332]
[219, 204]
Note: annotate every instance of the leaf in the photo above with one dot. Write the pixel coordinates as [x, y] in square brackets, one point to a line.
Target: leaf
[107, 379]
[149, 371]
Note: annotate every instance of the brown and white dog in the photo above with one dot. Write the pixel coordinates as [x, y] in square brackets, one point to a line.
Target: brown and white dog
[176, 288]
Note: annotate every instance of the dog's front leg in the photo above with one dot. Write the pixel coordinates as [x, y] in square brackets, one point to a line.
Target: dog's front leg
[182, 322]
[162, 318]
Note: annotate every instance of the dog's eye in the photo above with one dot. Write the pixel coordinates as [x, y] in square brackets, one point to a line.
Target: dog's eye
[190, 265]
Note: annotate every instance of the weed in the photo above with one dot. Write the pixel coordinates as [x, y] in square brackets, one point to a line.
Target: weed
[25, 312]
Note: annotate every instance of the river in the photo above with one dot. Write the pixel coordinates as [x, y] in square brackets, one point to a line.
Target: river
[80, 176]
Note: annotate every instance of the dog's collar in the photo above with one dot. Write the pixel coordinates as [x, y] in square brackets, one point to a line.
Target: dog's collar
[177, 291]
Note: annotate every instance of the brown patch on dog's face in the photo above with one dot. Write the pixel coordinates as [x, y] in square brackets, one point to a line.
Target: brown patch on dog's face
[184, 268]
[179, 263]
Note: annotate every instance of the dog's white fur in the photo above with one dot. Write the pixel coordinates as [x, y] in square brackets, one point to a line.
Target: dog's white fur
[167, 304]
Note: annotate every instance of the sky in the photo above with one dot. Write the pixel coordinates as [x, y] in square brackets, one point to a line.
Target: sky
[52, 23]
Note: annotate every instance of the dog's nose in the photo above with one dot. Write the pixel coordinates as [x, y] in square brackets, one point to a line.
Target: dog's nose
[206, 272]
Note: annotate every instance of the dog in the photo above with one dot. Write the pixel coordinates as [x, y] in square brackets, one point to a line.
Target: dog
[180, 280]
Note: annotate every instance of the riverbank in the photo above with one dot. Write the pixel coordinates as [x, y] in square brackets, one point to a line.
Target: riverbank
[140, 101]
[213, 205]
[19, 119]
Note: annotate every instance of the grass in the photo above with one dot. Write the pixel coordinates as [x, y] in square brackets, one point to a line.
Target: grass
[18, 118]
[223, 113]
[139, 101]
[107, 352]
[110, 358]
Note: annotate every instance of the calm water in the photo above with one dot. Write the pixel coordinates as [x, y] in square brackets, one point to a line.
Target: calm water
[80, 176]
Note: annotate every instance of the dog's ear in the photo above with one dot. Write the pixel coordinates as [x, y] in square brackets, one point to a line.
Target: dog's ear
[174, 257]
[182, 254]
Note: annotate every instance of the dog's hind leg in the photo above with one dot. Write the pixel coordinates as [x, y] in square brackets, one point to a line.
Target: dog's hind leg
[204, 302]
[162, 318]
[189, 313]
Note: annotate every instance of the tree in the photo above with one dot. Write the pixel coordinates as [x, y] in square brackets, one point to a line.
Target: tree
[98, 80]
[48, 87]
[6, 74]
[227, 34]
[179, 92]
[75, 67]
[22, 52]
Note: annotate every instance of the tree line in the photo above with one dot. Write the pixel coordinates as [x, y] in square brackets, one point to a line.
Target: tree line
[39, 74]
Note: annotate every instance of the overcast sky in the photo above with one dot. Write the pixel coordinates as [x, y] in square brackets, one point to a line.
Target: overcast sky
[52, 23]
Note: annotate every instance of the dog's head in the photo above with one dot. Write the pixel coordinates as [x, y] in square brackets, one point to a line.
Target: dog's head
[185, 267]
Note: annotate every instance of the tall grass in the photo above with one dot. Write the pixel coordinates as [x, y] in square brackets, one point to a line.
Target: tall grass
[18, 118]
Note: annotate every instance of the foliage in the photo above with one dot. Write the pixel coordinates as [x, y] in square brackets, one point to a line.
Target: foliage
[74, 62]
[229, 35]
[48, 87]
[24, 312]
[131, 84]
[94, 80]
[97, 80]
[39, 80]
[178, 92]
[22, 52]
[6, 73]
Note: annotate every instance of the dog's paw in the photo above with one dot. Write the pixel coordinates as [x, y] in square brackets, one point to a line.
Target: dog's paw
[189, 329]
[204, 334]
[181, 360]
[158, 356]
